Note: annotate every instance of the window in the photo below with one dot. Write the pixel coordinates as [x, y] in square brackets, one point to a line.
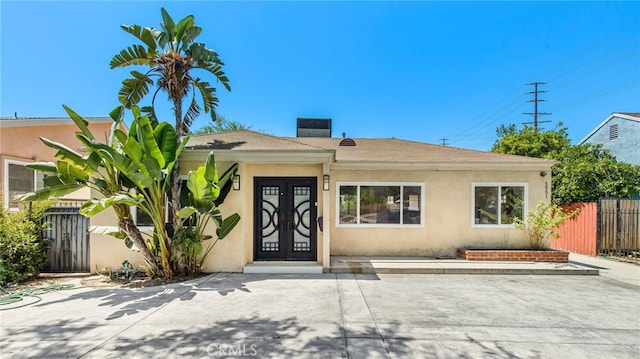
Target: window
[498, 204]
[20, 180]
[613, 132]
[380, 204]
[144, 220]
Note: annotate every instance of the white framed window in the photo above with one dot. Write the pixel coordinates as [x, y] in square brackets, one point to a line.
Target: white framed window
[18, 179]
[142, 220]
[497, 204]
[380, 204]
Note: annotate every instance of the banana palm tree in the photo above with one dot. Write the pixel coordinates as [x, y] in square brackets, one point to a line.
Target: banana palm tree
[134, 169]
[172, 55]
[72, 171]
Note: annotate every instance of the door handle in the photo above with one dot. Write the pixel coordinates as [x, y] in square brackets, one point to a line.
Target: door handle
[281, 223]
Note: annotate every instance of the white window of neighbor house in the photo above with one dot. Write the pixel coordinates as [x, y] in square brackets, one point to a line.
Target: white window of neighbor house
[19, 180]
[498, 204]
[380, 204]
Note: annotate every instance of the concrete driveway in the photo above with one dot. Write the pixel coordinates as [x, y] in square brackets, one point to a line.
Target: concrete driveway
[335, 316]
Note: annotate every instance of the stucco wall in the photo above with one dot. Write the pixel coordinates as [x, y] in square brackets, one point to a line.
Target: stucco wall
[105, 250]
[447, 214]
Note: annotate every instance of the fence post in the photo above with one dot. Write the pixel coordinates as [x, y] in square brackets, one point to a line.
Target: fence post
[618, 227]
[599, 227]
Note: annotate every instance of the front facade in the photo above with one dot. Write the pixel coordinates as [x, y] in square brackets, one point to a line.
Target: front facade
[619, 133]
[307, 199]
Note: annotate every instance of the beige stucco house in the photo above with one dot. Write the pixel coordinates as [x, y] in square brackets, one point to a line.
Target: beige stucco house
[306, 199]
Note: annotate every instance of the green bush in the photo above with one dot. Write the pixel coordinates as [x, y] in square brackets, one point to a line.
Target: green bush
[23, 251]
[541, 223]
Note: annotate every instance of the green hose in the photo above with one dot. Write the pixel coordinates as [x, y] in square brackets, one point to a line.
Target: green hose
[9, 298]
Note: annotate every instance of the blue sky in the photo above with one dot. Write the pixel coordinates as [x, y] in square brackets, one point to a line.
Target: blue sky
[422, 71]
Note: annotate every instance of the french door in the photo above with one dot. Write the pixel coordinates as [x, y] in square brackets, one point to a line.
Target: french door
[285, 218]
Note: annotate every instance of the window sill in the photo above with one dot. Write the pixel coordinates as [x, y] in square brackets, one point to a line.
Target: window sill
[380, 225]
[492, 226]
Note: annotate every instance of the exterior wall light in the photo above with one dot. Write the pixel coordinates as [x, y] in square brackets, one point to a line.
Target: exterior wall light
[543, 173]
[325, 182]
[236, 182]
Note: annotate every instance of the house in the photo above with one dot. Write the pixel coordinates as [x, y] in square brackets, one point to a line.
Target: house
[310, 198]
[619, 133]
[20, 144]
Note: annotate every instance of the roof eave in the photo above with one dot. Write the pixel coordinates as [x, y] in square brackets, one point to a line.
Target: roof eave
[6, 123]
[262, 156]
[443, 166]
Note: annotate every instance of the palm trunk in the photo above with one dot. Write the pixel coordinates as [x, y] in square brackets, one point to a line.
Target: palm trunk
[176, 184]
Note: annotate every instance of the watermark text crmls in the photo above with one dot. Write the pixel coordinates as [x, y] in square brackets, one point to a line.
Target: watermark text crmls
[232, 350]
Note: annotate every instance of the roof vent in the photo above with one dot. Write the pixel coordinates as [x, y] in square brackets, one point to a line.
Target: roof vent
[314, 127]
[347, 142]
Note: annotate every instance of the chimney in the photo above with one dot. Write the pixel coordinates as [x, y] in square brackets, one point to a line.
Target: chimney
[313, 127]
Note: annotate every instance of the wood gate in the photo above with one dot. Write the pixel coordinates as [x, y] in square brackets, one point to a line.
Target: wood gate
[619, 227]
[68, 235]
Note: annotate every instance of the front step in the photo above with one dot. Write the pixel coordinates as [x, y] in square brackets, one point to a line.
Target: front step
[283, 268]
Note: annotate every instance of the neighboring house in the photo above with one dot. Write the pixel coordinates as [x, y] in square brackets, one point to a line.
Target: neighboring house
[20, 144]
[619, 133]
[309, 198]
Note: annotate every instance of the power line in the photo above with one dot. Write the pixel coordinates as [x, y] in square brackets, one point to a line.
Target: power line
[601, 55]
[535, 101]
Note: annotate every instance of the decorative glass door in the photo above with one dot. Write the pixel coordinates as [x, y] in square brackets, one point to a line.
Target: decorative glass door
[285, 218]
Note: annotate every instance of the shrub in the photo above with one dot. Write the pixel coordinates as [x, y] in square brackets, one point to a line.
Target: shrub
[541, 223]
[23, 251]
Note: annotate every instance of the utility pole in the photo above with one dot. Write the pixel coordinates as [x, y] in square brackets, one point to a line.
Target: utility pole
[535, 101]
[444, 141]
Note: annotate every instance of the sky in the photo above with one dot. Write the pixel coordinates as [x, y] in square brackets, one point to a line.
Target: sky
[436, 72]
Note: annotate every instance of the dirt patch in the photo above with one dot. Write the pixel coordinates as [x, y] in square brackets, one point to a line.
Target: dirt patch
[95, 281]
[102, 281]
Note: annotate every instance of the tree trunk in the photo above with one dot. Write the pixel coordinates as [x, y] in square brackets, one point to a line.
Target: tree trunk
[176, 184]
[129, 228]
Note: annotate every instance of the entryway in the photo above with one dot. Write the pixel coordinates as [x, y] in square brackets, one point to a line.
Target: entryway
[285, 219]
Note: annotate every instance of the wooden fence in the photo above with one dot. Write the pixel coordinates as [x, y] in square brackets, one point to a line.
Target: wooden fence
[578, 235]
[608, 227]
[619, 227]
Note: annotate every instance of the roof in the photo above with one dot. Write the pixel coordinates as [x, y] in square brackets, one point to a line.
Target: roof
[398, 150]
[246, 140]
[46, 121]
[631, 116]
[389, 150]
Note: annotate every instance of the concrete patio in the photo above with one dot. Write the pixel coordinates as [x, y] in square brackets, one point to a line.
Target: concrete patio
[335, 315]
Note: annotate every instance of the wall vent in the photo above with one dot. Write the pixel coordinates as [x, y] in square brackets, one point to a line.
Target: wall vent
[613, 132]
[347, 142]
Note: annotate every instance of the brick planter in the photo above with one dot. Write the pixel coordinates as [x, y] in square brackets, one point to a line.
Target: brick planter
[522, 255]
